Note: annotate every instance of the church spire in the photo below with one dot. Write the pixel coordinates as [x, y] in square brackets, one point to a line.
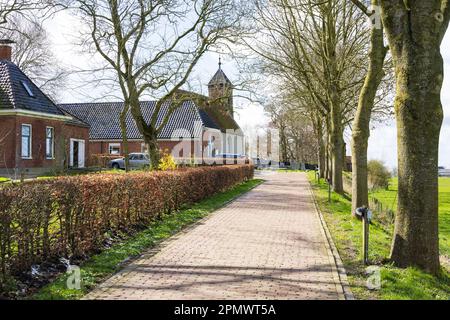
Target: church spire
[220, 90]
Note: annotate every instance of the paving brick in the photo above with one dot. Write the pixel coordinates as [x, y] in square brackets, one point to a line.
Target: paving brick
[267, 244]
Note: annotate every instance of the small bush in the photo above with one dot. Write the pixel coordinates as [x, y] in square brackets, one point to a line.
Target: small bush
[74, 216]
[378, 175]
[167, 162]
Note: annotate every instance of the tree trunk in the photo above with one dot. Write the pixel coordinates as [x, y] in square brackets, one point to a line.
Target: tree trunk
[153, 150]
[328, 153]
[344, 156]
[419, 117]
[336, 146]
[414, 36]
[321, 154]
[123, 129]
[283, 143]
[321, 157]
[336, 129]
[361, 123]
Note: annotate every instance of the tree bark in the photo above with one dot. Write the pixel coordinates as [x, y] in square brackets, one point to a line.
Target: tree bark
[153, 150]
[415, 35]
[336, 150]
[336, 130]
[321, 152]
[361, 123]
[123, 129]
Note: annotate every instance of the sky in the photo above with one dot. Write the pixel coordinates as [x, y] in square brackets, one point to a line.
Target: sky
[63, 29]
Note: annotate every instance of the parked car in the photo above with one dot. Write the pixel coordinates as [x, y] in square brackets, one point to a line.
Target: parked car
[442, 172]
[137, 161]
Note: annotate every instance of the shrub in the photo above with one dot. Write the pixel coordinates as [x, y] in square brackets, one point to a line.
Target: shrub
[74, 216]
[167, 162]
[378, 175]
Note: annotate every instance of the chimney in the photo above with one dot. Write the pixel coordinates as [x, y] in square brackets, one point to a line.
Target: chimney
[5, 49]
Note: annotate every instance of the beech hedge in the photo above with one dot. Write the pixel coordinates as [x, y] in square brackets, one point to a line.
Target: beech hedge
[73, 216]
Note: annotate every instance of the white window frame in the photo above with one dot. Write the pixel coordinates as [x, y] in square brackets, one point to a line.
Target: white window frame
[144, 148]
[53, 143]
[113, 145]
[30, 151]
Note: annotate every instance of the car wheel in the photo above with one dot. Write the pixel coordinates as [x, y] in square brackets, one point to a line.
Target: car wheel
[116, 166]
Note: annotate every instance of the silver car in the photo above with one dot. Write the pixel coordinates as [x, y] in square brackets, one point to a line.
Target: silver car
[137, 161]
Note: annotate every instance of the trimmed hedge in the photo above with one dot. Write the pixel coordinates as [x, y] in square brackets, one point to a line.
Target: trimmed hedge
[41, 220]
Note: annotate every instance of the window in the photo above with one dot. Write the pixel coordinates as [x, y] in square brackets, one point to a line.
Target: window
[49, 142]
[144, 148]
[114, 148]
[26, 141]
[27, 88]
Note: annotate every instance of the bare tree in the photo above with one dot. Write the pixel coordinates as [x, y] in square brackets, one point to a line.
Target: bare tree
[367, 99]
[152, 47]
[318, 46]
[33, 54]
[415, 30]
[24, 8]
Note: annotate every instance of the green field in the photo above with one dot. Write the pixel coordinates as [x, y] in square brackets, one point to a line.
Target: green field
[389, 200]
[346, 231]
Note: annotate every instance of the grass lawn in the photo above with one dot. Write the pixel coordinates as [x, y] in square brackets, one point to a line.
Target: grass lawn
[110, 261]
[389, 200]
[3, 179]
[346, 231]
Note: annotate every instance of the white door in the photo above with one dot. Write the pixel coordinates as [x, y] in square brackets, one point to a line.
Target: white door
[71, 153]
[81, 154]
[79, 163]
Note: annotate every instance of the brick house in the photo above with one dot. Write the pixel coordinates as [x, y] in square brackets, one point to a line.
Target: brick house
[35, 135]
[203, 126]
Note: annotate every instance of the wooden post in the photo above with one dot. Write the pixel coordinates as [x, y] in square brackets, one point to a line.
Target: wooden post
[365, 247]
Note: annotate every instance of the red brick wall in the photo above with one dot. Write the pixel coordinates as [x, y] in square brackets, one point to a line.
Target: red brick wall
[102, 147]
[7, 141]
[10, 146]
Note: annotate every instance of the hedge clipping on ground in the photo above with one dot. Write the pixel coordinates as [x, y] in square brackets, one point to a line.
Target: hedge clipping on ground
[42, 220]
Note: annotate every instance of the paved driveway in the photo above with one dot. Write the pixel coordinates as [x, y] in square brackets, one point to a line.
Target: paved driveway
[268, 244]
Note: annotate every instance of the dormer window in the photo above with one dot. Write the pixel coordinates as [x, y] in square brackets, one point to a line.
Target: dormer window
[27, 88]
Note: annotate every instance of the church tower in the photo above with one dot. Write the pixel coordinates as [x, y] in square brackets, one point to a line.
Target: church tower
[220, 91]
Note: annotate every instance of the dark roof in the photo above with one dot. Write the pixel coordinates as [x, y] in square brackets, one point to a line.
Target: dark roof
[222, 119]
[207, 120]
[212, 115]
[14, 95]
[219, 77]
[103, 119]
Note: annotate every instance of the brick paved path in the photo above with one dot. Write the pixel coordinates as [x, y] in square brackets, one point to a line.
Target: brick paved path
[268, 244]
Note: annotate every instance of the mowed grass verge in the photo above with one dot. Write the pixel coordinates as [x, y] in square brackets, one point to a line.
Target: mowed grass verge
[100, 266]
[346, 231]
[389, 200]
